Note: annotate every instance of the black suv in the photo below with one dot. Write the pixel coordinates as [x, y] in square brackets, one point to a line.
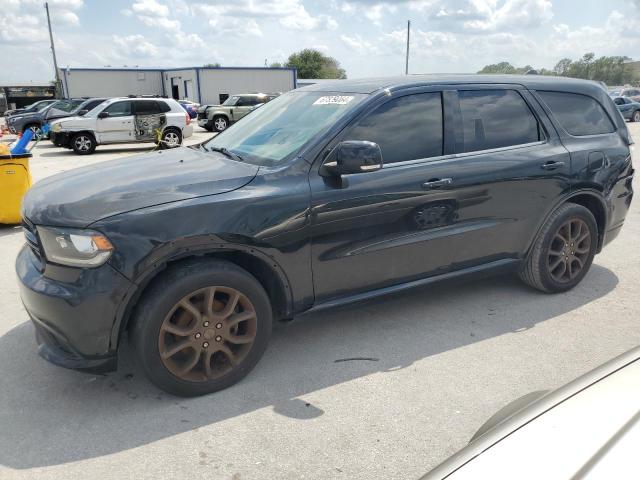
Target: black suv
[326, 195]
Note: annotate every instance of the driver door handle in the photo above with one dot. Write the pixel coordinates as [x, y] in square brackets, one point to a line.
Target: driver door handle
[552, 165]
[437, 183]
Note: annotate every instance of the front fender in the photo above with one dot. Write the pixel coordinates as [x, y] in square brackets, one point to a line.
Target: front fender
[174, 251]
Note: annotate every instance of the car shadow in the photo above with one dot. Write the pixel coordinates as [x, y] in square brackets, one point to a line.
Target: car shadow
[51, 416]
[6, 229]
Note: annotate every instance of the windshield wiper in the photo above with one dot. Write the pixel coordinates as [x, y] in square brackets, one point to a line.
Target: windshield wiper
[227, 153]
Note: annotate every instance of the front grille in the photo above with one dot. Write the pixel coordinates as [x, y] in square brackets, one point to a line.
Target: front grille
[201, 115]
[31, 236]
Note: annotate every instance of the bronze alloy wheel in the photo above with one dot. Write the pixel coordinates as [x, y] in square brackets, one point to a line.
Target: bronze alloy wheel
[207, 333]
[569, 250]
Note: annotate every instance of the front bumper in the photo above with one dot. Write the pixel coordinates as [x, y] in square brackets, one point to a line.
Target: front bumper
[59, 139]
[73, 309]
[203, 122]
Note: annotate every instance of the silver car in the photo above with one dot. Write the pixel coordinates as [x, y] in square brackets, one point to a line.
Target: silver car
[588, 429]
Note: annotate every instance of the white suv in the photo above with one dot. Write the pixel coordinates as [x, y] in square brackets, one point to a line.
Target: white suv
[124, 120]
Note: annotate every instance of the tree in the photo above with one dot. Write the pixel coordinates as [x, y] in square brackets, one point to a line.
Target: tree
[502, 67]
[311, 63]
[562, 67]
[211, 65]
[275, 65]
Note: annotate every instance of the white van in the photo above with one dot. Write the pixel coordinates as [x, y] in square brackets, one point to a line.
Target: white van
[124, 120]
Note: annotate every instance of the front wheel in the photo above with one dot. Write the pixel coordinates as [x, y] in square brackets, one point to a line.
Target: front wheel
[83, 143]
[636, 116]
[201, 327]
[220, 123]
[563, 252]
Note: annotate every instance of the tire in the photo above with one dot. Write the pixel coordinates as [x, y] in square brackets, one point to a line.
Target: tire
[220, 123]
[171, 138]
[37, 132]
[161, 323]
[541, 269]
[83, 143]
[636, 116]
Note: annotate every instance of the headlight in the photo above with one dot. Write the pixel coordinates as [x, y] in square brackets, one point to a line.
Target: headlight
[56, 127]
[75, 248]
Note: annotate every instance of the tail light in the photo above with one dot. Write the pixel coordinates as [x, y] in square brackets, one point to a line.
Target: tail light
[186, 115]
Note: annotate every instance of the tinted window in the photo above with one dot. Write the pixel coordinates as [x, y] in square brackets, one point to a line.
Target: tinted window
[406, 128]
[495, 119]
[619, 101]
[147, 107]
[578, 114]
[119, 109]
[93, 104]
[164, 107]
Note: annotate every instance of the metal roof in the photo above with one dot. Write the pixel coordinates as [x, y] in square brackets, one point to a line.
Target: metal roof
[370, 85]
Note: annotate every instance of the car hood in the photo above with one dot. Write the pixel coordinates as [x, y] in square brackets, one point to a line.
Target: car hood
[79, 197]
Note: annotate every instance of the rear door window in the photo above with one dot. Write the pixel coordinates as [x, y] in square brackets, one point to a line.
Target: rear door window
[579, 115]
[406, 128]
[496, 119]
[147, 107]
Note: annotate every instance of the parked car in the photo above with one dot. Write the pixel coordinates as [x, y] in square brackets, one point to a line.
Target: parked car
[190, 107]
[327, 195]
[629, 92]
[34, 107]
[629, 109]
[125, 120]
[79, 111]
[219, 117]
[3, 104]
[587, 429]
[22, 122]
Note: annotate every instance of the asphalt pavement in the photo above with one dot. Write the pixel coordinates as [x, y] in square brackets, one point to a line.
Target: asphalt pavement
[437, 362]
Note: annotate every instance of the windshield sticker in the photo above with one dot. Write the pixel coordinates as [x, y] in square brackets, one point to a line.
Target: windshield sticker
[333, 100]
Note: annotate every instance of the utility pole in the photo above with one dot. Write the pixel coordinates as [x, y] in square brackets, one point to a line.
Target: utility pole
[53, 51]
[406, 66]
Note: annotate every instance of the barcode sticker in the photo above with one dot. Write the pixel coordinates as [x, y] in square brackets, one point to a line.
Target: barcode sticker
[333, 100]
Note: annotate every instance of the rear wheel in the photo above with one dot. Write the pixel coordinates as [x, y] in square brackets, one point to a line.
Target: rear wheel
[220, 123]
[171, 138]
[564, 250]
[202, 327]
[83, 143]
[636, 116]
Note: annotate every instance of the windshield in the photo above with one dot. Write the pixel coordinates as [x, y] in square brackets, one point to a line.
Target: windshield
[67, 105]
[272, 133]
[231, 101]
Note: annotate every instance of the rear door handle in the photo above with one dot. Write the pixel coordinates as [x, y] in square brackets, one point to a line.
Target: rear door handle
[552, 165]
[437, 183]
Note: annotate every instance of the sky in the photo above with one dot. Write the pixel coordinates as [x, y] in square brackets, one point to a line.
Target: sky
[367, 37]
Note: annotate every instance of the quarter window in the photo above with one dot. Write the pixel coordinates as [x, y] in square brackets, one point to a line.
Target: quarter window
[578, 114]
[406, 128]
[119, 109]
[496, 119]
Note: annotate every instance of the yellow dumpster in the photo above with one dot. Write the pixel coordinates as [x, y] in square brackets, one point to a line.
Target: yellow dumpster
[15, 180]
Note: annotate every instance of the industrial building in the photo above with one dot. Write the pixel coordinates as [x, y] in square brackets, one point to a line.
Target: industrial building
[198, 84]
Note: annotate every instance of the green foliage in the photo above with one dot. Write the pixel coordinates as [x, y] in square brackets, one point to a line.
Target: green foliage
[314, 64]
[211, 65]
[610, 70]
[275, 65]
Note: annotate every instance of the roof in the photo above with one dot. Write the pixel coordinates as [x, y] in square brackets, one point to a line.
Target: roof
[370, 85]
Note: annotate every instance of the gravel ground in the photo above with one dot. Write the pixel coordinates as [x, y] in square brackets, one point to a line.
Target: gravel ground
[443, 359]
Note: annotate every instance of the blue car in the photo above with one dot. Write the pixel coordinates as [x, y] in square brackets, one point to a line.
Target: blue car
[630, 109]
[189, 107]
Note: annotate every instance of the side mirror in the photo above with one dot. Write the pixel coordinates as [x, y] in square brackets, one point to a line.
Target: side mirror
[82, 112]
[103, 114]
[352, 156]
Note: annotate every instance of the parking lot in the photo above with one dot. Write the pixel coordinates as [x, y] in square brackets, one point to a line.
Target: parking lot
[385, 389]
